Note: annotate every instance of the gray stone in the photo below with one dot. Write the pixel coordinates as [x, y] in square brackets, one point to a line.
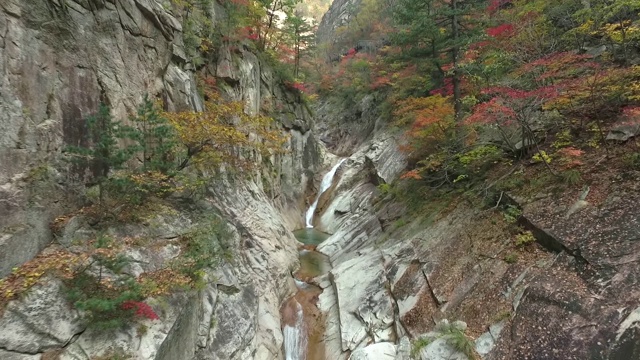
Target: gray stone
[364, 305]
[623, 132]
[487, 341]
[7, 355]
[595, 51]
[441, 349]
[40, 320]
[73, 231]
[233, 324]
[404, 349]
[56, 63]
[379, 351]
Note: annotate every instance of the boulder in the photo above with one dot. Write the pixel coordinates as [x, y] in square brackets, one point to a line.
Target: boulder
[364, 304]
[623, 132]
[41, 320]
[379, 351]
[7, 355]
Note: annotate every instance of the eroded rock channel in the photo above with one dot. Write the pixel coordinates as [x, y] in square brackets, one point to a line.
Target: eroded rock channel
[303, 322]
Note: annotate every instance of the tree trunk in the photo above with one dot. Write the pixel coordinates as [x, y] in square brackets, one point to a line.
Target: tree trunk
[457, 101]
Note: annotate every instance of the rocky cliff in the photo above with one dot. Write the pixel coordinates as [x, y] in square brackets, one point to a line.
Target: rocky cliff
[450, 277]
[340, 13]
[399, 274]
[59, 60]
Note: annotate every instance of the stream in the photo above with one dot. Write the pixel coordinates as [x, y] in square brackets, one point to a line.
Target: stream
[303, 323]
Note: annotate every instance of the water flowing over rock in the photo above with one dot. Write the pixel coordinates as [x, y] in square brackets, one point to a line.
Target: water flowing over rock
[325, 184]
[295, 339]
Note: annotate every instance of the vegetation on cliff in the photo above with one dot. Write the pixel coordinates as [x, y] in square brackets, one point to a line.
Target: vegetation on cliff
[483, 85]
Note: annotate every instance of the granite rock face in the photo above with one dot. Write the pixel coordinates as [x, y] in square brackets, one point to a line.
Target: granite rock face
[58, 61]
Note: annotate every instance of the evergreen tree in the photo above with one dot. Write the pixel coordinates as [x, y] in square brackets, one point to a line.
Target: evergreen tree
[437, 30]
[104, 153]
[156, 138]
[301, 37]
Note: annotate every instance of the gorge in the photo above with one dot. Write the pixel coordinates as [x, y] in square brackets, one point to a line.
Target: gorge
[323, 250]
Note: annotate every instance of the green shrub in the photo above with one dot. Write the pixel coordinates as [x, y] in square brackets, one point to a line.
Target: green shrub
[633, 160]
[418, 345]
[511, 214]
[457, 339]
[480, 153]
[205, 247]
[511, 258]
[524, 239]
[571, 177]
[541, 156]
[103, 303]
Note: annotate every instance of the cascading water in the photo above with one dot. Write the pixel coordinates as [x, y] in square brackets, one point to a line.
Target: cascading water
[295, 337]
[325, 184]
[303, 322]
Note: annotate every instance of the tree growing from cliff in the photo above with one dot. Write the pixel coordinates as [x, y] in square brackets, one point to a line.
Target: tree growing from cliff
[104, 152]
[437, 30]
[156, 138]
[300, 35]
[223, 134]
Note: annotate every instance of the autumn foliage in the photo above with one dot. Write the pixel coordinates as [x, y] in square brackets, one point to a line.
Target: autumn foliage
[223, 133]
[523, 69]
[140, 309]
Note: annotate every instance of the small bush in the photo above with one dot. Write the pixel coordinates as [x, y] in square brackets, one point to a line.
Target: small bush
[205, 247]
[571, 177]
[457, 339]
[633, 160]
[418, 345]
[511, 214]
[524, 239]
[511, 258]
[541, 156]
[99, 287]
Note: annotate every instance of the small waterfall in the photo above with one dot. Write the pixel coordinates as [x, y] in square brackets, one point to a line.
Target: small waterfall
[327, 180]
[295, 337]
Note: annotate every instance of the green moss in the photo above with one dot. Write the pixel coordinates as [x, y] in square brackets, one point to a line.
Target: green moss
[418, 345]
[510, 258]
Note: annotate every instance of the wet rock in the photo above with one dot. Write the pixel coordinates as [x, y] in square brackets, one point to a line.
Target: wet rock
[328, 304]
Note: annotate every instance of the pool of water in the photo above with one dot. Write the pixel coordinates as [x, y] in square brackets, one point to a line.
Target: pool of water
[311, 330]
[310, 236]
[313, 264]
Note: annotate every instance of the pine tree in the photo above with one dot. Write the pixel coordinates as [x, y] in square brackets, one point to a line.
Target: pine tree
[437, 30]
[156, 138]
[104, 153]
[301, 37]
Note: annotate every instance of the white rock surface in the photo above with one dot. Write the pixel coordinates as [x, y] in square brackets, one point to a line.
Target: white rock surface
[364, 304]
[379, 351]
[440, 349]
[40, 320]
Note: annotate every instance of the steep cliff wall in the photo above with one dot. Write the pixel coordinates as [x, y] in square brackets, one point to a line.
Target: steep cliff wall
[58, 61]
[339, 14]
